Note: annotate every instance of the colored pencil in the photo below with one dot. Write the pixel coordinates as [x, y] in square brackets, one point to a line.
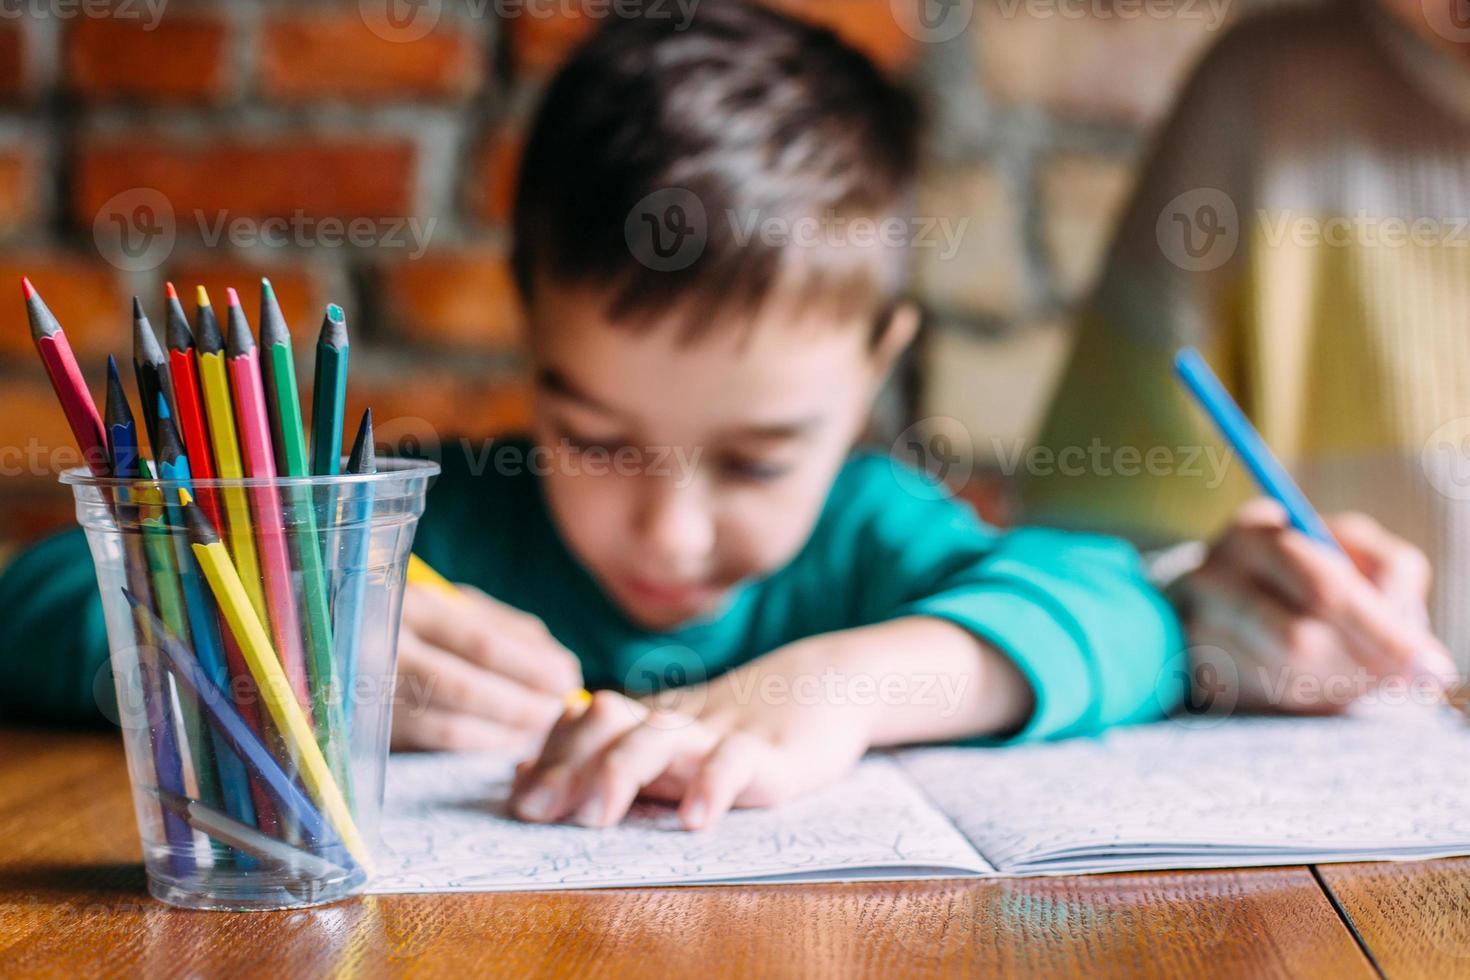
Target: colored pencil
[278, 372]
[163, 741]
[201, 616]
[1237, 430]
[260, 464]
[246, 743]
[356, 542]
[214, 382]
[227, 830]
[150, 368]
[275, 689]
[329, 394]
[66, 379]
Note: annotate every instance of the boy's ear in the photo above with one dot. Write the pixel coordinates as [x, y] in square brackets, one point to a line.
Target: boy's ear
[895, 336]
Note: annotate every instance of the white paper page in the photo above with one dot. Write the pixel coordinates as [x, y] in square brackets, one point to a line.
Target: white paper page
[1204, 792]
[444, 829]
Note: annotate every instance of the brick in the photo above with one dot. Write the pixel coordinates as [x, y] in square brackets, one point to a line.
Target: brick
[492, 189]
[19, 188]
[461, 298]
[537, 45]
[986, 274]
[35, 440]
[13, 61]
[301, 293]
[181, 58]
[417, 408]
[868, 25]
[336, 55]
[1107, 68]
[86, 295]
[310, 177]
[1081, 197]
[998, 388]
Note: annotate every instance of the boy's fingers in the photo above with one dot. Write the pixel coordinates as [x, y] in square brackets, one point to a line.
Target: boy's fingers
[454, 684]
[435, 730]
[725, 774]
[612, 781]
[1399, 569]
[502, 645]
[545, 791]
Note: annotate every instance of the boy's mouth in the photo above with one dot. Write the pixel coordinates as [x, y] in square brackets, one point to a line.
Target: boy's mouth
[671, 597]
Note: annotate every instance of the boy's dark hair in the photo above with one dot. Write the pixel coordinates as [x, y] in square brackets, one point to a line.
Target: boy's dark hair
[743, 114]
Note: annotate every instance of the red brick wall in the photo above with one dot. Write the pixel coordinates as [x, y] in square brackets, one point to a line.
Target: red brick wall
[223, 114]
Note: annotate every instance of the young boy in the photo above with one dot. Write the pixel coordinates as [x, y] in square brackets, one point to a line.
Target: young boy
[686, 513]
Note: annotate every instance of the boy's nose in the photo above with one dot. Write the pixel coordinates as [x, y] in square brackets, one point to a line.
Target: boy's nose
[676, 528]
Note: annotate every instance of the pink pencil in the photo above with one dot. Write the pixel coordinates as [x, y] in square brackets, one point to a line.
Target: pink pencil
[66, 378]
[259, 459]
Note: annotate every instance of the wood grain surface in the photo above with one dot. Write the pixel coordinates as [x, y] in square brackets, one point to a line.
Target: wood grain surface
[73, 903]
[1414, 918]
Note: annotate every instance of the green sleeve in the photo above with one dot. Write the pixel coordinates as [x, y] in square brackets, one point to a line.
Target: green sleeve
[53, 642]
[1075, 612]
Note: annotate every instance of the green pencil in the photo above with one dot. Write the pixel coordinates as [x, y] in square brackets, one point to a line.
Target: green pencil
[284, 407]
[329, 395]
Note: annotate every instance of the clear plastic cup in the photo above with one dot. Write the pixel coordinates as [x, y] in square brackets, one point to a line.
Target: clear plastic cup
[255, 786]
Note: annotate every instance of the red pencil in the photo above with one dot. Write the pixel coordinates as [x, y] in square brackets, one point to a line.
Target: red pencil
[66, 378]
[260, 463]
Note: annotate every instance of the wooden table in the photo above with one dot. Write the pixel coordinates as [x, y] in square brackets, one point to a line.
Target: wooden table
[73, 903]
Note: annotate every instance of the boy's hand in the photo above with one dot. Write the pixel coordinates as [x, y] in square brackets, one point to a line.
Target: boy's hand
[476, 673]
[1307, 630]
[595, 763]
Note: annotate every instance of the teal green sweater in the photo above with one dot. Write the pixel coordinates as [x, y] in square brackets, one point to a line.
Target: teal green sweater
[1099, 645]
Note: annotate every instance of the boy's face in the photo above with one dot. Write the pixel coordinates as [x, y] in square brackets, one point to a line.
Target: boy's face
[681, 469]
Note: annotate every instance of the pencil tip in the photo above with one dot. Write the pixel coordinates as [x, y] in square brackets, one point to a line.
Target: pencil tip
[169, 291]
[334, 328]
[265, 288]
[176, 329]
[273, 329]
[201, 296]
[185, 498]
[334, 312]
[364, 454]
[26, 289]
[138, 313]
[238, 341]
[232, 297]
[112, 370]
[133, 600]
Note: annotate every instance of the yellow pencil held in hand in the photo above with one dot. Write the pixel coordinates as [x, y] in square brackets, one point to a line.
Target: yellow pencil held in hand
[275, 689]
[422, 573]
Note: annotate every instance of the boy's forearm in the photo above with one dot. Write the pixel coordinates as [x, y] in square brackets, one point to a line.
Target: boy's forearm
[915, 679]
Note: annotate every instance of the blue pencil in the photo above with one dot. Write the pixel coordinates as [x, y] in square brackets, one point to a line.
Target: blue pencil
[351, 576]
[1237, 430]
[173, 465]
[163, 740]
[227, 720]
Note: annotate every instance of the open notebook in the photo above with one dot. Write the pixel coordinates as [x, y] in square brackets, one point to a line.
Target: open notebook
[1189, 793]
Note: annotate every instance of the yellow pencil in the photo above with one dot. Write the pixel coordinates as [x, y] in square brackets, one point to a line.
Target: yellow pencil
[270, 678]
[422, 573]
[219, 409]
